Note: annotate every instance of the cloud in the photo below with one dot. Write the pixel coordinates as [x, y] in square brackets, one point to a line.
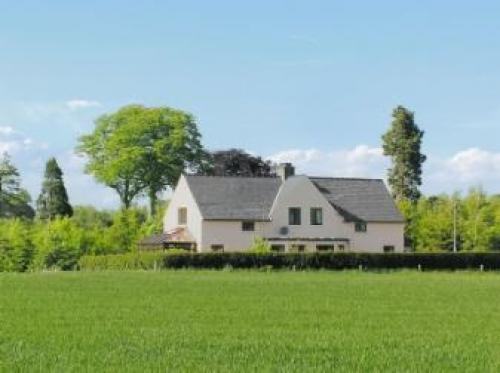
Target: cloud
[13, 141]
[82, 104]
[458, 172]
[6, 130]
[360, 161]
[466, 168]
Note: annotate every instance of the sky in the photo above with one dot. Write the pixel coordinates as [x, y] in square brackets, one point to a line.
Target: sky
[312, 82]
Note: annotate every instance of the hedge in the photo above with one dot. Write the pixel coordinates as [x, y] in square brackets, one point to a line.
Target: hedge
[336, 261]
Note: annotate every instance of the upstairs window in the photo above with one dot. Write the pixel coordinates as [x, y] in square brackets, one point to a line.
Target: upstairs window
[182, 216]
[294, 216]
[316, 216]
[248, 226]
[360, 227]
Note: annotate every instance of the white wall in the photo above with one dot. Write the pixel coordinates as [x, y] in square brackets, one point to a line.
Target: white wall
[229, 234]
[183, 197]
[377, 236]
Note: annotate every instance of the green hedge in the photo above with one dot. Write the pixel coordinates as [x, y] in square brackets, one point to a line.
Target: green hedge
[147, 261]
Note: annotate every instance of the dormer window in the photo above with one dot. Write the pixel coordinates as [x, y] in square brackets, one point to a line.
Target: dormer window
[182, 216]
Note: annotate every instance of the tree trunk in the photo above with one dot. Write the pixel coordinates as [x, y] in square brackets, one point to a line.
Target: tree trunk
[153, 200]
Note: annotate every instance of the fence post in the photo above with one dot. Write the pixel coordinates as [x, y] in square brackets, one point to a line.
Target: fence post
[481, 267]
[419, 268]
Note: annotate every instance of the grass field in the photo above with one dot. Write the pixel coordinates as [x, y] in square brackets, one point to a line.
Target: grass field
[254, 321]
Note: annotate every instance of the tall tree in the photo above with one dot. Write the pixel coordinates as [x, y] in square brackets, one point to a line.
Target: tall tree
[402, 143]
[14, 200]
[139, 150]
[53, 199]
[236, 162]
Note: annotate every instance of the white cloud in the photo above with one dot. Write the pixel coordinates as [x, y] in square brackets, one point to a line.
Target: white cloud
[6, 130]
[82, 104]
[466, 168]
[360, 161]
[458, 172]
[13, 141]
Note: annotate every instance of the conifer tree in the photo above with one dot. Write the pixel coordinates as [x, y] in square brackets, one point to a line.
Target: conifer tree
[402, 143]
[53, 200]
[14, 200]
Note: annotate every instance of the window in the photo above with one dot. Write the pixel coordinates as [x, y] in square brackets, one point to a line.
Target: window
[360, 227]
[297, 248]
[316, 216]
[324, 248]
[248, 226]
[341, 248]
[217, 248]
[278, 248]
[182, 216]
[294, 216]
[389, 249]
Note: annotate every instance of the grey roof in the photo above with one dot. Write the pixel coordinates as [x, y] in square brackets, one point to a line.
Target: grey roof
[359, 199]
[234, 198]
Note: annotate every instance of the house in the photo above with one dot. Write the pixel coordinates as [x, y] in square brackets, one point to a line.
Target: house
[294, 213]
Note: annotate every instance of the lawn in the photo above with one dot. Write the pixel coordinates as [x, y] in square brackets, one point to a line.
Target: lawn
[252, 321]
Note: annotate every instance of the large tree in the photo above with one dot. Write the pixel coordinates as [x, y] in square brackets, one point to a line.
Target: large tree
[402, 143]
[236, 162]
[53, 199]
[140, 150]
[14, 200]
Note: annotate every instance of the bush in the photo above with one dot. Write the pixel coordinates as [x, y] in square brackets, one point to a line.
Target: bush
[260, 246]
[337, 261]
[16, 248]
[59, 244]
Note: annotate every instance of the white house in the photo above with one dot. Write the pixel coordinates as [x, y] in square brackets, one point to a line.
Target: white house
[293, 213]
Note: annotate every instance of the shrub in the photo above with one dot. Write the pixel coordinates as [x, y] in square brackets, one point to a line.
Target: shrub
[16, 248]
[260, 246]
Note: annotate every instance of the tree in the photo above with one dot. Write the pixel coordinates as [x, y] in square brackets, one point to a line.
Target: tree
[139, 150]
[53, 199]
[402, 143]
[236, 162]
[14, 200]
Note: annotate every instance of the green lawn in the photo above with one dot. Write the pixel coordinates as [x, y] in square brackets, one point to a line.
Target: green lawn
[254, 321]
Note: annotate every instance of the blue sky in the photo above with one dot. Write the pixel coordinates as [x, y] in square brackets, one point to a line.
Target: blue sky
[313, 82]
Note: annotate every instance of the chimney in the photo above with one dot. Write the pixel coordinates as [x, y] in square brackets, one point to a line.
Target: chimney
[285, 170]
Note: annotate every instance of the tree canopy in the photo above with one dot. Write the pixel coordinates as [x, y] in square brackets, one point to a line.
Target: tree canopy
[53, 200]
[237, 162]
[140, 150]
[402, 143]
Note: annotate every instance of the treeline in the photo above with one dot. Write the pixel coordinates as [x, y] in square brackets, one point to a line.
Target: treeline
[60, 242]
[435, 222]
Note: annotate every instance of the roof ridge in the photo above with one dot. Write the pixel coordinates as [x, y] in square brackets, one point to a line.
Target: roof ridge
[345, 178]
[233, 176]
